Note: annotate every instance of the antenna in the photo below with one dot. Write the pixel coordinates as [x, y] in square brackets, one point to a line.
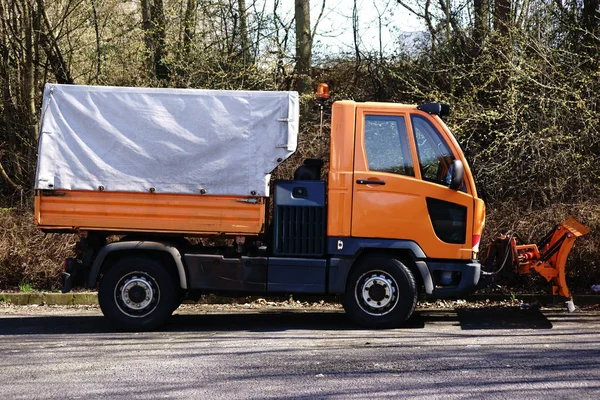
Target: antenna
[322, 95]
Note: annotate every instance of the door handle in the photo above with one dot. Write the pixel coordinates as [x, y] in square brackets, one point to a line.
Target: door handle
[367, 182]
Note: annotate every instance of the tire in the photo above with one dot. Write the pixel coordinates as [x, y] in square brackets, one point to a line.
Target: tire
[137, 294]
[381, 292]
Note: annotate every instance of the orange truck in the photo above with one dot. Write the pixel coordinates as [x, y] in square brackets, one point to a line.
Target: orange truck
[142, 173]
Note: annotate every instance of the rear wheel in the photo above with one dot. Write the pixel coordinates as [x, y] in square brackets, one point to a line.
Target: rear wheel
[137, 294]
[381, 292]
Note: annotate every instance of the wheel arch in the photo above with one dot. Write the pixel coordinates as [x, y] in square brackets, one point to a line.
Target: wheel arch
[112, 252]
[406, 256]
[353, 249]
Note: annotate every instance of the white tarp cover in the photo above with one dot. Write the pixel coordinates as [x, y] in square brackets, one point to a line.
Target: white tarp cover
[172, 140]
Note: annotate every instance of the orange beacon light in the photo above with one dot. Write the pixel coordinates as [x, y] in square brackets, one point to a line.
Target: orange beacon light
[322, 91]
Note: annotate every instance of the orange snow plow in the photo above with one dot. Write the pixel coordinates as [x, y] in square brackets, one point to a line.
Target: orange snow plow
[548, 258]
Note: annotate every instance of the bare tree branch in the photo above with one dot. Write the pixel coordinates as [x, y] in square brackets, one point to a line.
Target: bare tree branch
[10, 181]
[314, 29]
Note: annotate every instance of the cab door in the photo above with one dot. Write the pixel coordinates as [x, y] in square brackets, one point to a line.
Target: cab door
[402, 164]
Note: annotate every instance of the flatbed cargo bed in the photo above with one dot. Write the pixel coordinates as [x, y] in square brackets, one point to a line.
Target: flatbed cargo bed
[187, 161]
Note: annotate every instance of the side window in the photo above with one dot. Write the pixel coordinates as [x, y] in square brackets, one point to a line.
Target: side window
[435, 158]
[386, 144]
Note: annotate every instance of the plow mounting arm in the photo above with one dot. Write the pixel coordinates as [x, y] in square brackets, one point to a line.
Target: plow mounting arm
[548, 258]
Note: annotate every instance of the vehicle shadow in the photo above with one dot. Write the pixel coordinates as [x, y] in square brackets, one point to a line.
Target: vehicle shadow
[468, 319]
[258, 322]
[502, 318]
[276, 321]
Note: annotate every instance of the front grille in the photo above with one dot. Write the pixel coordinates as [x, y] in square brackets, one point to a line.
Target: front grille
[299, 231]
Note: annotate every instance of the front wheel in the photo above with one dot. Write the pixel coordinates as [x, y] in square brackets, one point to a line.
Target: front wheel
[381, 292]
[137, 294]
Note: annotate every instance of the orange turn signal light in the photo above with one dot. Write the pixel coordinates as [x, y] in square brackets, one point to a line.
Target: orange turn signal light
[322, 91]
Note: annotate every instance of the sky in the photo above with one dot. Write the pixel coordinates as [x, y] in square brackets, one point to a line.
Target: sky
[334, 32]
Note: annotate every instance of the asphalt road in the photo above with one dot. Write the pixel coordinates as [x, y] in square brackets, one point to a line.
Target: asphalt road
[509, 353]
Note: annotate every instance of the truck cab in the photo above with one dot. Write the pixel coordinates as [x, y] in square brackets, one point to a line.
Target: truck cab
[406, 194]
[398, 215]
[398, 186]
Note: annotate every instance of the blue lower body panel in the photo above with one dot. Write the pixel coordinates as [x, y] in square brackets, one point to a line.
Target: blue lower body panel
[296, 275]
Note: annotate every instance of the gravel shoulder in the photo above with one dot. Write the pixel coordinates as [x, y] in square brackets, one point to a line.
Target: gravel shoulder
[261, 305]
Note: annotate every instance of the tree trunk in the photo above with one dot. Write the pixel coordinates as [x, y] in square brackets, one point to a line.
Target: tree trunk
[355, 37]
[148, 40]
[29, 88]
[244, 43]
[590, 21]
[303, 47]
[98, 46]
[9, 114]
[590, 16]
[502, 17]
[189, 24]
[159, 38]
[153, 25]
[431, 28]
[481, 25]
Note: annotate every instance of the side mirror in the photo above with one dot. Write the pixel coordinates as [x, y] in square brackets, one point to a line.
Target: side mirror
[458, 175]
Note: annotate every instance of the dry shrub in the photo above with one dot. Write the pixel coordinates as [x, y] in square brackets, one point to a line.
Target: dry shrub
[583, 264]
[28, 255]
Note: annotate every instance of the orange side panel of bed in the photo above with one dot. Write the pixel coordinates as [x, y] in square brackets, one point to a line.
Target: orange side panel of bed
[149, 212]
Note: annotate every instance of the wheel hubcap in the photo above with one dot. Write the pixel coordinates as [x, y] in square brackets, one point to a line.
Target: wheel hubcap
[137, 294]
[377, 292]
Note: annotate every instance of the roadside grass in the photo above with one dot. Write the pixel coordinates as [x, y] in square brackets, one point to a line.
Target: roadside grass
[26, 288]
